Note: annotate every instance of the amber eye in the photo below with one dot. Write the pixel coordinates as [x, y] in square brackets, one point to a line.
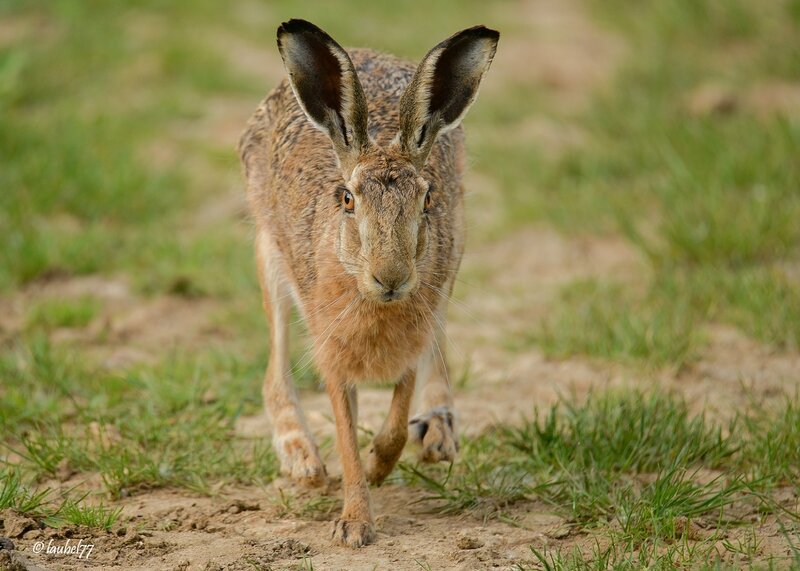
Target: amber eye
[348, 201]
[427, 204]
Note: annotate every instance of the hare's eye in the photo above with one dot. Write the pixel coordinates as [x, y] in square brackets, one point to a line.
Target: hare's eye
[427, 204]
[348, 201]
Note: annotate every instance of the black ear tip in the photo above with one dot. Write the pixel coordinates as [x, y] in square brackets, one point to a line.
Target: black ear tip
[298, 26]
[481, 32]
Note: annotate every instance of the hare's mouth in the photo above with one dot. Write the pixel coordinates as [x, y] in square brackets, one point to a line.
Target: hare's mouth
[393, 295]
[387, 297]
[382, 294]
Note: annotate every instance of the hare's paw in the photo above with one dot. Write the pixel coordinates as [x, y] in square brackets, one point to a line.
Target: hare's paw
[353, 533]
[300, 459]
[435, 432]
[380, 461]
[377, 468]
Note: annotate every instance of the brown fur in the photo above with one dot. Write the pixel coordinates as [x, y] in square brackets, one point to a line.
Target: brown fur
[372, 285]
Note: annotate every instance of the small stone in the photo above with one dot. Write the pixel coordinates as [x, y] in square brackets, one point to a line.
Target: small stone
[6, 544]
[17, 524]
[131, 537]
[558, 532]
[9, 562]
[248, 507]
[468, 542]
[32, 534]
[537, 521]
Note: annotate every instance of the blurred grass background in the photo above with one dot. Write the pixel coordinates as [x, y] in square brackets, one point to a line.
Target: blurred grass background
[118, 126]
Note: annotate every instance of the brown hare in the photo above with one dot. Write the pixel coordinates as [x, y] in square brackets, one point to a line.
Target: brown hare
[354, 168]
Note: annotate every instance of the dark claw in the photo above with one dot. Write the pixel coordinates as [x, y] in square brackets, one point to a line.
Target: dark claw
[421, 427]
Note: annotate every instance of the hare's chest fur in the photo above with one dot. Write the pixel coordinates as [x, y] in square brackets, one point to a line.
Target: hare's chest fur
[357, 340]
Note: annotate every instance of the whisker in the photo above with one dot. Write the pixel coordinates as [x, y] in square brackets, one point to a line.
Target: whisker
[443, 328]
[458, 303]
[460, 280]
[441, 355]
[319, 309]
[313, 352]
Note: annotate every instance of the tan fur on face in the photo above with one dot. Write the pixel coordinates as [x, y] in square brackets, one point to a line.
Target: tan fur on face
[372, 284]
[386, 237]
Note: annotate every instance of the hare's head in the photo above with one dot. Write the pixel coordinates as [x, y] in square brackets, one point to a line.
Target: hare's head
[384, 203]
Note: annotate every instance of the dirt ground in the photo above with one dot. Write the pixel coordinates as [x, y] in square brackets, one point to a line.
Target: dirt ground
[248, 528]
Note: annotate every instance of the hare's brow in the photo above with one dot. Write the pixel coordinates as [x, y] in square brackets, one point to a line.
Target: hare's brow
[392, 177]
[338, 193]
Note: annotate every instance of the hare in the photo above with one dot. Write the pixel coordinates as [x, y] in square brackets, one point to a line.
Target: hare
[353, 169]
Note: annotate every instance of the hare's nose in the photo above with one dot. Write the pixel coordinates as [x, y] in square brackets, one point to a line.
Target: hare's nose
[390, 281]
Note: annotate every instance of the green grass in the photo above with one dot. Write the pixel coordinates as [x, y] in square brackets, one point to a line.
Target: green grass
[15, 495]
[72, 512]
[55, 313]
[41, 504]
[605, 320]
[80, 104]
[661, 510]
[638, 472]
[481, 484]
[149, 427]
[773, 450]
[680, 554]
[664, 326]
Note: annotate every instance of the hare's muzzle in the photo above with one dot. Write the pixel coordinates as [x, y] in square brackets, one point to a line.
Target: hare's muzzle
[392, 283]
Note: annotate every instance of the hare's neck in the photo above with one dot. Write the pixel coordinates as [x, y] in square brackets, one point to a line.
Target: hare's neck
[358, 340]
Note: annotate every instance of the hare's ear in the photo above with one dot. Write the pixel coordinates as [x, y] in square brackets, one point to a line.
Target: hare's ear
[326, 86]
[443, 88]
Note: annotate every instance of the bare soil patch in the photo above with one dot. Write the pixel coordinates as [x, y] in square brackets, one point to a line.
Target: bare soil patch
[766, 99]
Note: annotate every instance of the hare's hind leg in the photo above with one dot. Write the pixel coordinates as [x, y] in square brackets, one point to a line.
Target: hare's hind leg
[434, 427]
[291, 438]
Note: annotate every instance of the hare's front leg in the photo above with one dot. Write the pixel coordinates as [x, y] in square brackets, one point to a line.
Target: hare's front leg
[389, 442]
[434, 427]
[354, 528]
[291, 438]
